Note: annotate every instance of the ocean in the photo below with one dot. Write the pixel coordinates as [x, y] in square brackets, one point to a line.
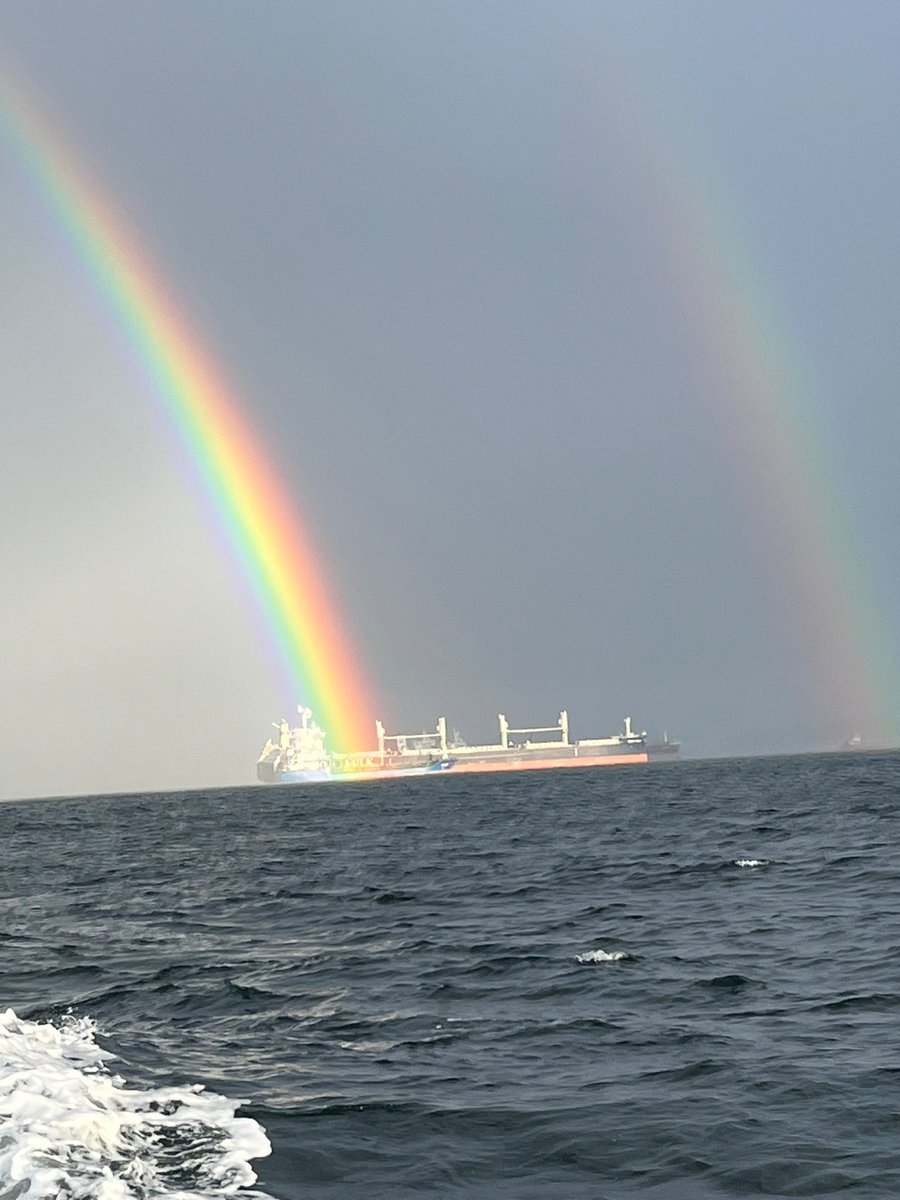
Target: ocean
[673, 981]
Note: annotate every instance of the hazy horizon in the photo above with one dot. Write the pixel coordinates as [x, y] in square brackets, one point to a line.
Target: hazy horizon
[462, 264]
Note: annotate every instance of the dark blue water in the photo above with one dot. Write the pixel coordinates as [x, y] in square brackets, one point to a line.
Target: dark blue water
[388, 978]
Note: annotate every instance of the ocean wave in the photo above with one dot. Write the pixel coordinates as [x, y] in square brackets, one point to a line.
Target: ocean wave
[726, 983]
[751, 862]
[69, 1128]
[602, 956]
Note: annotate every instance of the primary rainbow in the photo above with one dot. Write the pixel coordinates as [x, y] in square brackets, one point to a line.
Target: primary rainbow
[275, 552]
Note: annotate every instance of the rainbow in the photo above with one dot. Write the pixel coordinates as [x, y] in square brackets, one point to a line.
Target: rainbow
[769, 412]
[274, 550]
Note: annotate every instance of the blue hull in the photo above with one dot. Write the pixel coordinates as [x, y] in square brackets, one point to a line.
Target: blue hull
[323, 776]
[303, 777]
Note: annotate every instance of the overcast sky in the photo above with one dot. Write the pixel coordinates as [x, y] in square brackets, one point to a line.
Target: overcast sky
[425, 243]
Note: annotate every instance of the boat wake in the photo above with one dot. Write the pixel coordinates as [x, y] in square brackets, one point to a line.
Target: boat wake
[69, 1129]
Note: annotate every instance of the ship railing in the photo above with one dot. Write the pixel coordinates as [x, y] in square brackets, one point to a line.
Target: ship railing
[493, 748]
[615, 740]
[343, 758]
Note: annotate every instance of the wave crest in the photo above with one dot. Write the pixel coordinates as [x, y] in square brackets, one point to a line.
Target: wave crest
[601, 956]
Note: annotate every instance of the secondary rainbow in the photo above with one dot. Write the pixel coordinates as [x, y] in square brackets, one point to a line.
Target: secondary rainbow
[771, 414]
[265, 532]
[769, 410]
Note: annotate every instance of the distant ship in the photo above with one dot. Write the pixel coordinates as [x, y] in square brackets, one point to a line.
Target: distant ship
[858, 744]
[298, 753]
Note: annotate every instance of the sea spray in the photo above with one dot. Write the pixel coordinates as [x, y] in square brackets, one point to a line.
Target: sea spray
[601, 956]
[70, 1128]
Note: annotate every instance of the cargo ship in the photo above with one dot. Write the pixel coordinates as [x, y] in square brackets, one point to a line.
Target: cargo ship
[298, 753]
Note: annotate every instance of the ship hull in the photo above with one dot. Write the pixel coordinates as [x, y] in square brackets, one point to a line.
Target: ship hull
[436, 768]
[664, 752]
[519, 762]
[565, 758]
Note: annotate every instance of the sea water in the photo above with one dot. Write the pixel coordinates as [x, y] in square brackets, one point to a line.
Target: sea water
[666, 981]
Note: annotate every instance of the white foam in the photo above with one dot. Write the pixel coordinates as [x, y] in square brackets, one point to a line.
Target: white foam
[751, 862]
[601, 956]
[68, 1127]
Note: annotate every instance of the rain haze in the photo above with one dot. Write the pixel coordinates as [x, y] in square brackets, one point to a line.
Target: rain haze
[449, 256]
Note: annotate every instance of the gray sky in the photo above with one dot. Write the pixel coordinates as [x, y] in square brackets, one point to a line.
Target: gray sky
[415, 238]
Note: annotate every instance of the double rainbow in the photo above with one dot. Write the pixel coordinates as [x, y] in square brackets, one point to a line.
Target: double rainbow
[768, 413]
[254, 508]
